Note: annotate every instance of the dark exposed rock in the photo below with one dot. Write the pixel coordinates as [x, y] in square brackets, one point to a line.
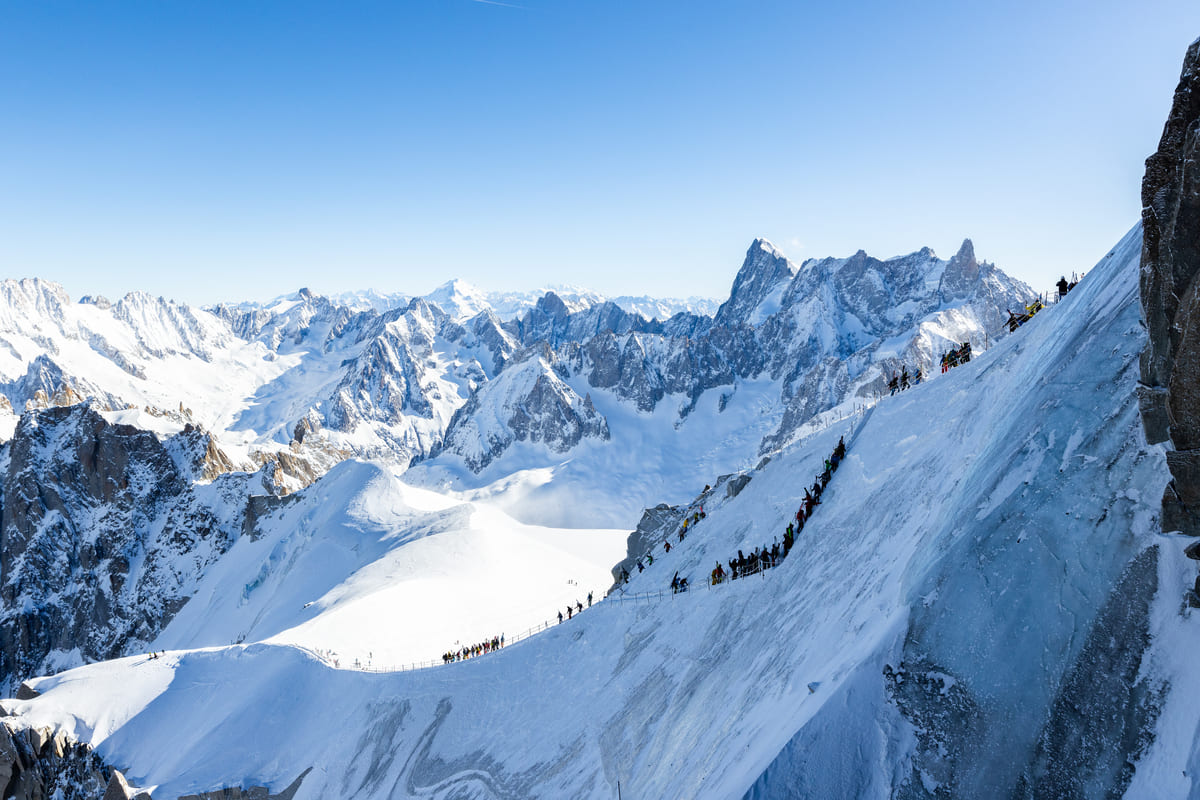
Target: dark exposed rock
[205, 460]
[118, 789]
[943, 715]
[655, 525]
[1152, 403]
[38, 764]
[81, 500]
[736, 484]
[1170, 294]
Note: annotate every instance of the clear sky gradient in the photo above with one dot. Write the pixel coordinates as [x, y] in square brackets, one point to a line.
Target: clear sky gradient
[211, 151]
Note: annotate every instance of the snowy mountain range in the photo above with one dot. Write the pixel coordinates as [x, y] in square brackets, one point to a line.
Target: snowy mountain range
[446, 382]
[204, 419]
[461, 301]
[907, 647]
[193, 481]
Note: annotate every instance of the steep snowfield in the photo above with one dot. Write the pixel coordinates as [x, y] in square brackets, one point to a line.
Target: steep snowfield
[386, 574]
[968, 544]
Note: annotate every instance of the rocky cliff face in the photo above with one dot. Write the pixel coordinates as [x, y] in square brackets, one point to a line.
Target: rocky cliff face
[1170, 292]
[529, 402]
[102, 532]
[42, 764]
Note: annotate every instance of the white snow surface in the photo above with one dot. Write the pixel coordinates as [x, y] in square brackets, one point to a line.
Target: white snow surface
[386, 574]
[994, 506]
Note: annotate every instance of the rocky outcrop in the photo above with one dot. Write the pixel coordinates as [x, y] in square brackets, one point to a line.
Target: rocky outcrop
[119, 789]
[43, 764]
[655, 525]
[529, 402]
[200, 456]
[1170, 291]
[764, 273]
[101, 533]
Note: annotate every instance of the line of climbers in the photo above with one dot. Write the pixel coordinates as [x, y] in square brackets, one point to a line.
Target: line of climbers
[575, 609]
[953, 358]
[764, 558]
[900, 382]
[473, 650]
[693, 520]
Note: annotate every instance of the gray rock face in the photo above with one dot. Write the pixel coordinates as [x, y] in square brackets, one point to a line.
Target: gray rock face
[119, 789]
[764, 271]
[99, 534]
[1170, 293]
[655, 525]
[528, 402]
[551, 322]
[39, 764]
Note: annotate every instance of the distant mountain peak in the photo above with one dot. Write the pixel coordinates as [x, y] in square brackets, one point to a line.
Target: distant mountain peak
[459, 299]
[966, 252]
[763, 273]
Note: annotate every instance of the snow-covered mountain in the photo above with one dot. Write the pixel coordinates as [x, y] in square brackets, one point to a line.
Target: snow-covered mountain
[306, 380]
[622, 411]
[511, 305]
[980, 605]
[106, 528]
[791, 343]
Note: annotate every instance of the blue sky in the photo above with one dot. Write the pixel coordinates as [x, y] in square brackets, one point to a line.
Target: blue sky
[210, 151]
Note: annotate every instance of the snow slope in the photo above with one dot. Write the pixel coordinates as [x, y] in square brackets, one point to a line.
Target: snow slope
[929, 633]
[384, 573]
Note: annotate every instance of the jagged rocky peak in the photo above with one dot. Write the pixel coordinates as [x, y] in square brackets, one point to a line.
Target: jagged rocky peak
[198, 454]
[30, 298]
[98, 300]
[1170, 295]
[163, 326]
[764, 273]
[552, 306]
[962, 272]
[528, 402]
